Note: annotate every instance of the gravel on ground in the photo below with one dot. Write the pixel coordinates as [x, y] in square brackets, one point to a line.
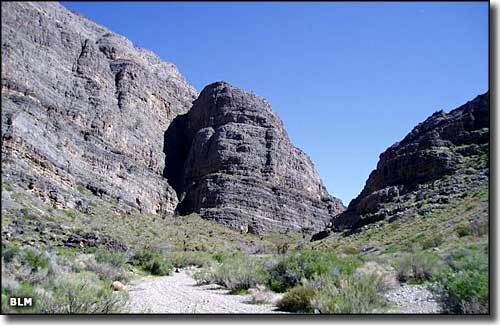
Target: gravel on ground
[180, 294]
[413, 299]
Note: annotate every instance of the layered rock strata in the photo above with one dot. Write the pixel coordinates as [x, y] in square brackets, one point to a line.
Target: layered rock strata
[442, 159]
[84, 111]
[82, 107]
[239, 168]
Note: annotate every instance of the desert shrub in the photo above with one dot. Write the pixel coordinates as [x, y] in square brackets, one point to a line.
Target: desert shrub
[417, 265]
[349, 250]
[107, 271]
[282, 248]
[297, 300]
[288, 272]
[21, 290]
[260, 295]
[432, 241]
[462, 230]
[115, 259]
[386, 278]
[220, 256]
[472, 229]
[26, 265]
[205, 276]
[68, 252]
[81, 293]
[9, 283]
[184, 259]
[240, 273]
[464, 283]
[257, 248]
[152, 262]
[34, 259]
[349, 294]
[58, 283]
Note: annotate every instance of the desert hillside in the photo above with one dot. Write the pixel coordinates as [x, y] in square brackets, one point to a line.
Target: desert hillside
[124, 190]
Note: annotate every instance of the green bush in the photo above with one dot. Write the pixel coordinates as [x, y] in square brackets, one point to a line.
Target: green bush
[26, 265]
[240, 273]
[184, 259]
[220, 256]
[416, 266]
[297, 300]
[462, 230]
[205, 276]
[23, 290]
[152, 262]
[115, 259]
[464, 282]
[282, 248]
[58, 283]
[474, 229]
[105, 271]
[349, 250]
[305, 264]
[35, 260]
[81, 293]
[432, 241]
[349, 294]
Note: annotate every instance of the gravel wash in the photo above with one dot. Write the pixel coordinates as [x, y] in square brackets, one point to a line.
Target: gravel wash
[180, 294]
[413, 299]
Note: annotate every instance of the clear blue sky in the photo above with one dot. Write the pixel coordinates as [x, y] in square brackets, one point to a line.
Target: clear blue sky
[348, 79]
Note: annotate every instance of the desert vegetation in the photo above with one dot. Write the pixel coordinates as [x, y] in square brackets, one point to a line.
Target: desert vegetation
[312, 281]
[62, 282]
[445, 249]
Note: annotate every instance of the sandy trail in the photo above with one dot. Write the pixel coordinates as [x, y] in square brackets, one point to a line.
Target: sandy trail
[180, 294]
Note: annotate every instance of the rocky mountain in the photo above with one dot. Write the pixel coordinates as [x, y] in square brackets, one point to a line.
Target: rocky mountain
[84, 110]
[230, 160]
[81, 106]
[442, 159]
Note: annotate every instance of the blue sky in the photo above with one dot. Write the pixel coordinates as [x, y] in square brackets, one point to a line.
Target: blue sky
[348, 79]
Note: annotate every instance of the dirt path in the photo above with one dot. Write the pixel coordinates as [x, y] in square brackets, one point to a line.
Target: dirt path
[180, 294]
[413, 299]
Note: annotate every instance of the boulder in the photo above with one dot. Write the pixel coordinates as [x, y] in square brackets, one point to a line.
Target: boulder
[117, 286]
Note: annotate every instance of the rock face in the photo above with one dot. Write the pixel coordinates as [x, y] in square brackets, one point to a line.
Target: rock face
[236, 165]
[439, 160]
[84, 110]
[82, 107]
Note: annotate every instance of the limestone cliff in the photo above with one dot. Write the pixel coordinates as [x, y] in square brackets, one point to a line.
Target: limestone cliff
[236, 165]
[84, 110]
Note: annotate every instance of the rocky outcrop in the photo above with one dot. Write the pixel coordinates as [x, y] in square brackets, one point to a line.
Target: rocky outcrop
[83, 108]
[441, 159]
[84, 111]
[235, 164]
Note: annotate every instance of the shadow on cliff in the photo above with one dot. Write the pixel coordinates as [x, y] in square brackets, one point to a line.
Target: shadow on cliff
[176, 149]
